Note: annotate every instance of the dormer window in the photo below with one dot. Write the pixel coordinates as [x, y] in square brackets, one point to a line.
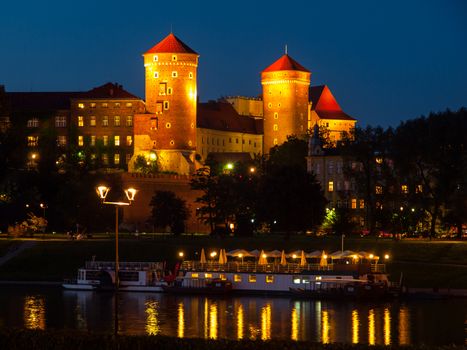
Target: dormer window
[174, 58]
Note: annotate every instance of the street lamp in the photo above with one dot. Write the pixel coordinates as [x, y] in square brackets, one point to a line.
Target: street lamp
[43, 206]
[102, 192]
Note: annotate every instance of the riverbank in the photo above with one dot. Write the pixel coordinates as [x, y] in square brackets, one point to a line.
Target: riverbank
[422, 264]
[55, 340]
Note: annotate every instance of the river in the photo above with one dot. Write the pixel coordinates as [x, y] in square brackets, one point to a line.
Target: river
[431, 322]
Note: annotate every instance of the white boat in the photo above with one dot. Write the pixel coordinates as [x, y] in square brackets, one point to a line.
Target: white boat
[133, 276]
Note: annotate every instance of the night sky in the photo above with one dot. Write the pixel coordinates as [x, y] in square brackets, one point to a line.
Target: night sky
[384, 61]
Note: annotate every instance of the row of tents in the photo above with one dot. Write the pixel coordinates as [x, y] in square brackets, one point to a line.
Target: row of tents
[298, 256]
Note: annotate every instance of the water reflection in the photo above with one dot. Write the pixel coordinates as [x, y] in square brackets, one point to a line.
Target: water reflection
[241, 317]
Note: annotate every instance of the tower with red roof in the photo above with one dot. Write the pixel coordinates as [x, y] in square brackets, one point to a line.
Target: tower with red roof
[285, 100]
[168, 129]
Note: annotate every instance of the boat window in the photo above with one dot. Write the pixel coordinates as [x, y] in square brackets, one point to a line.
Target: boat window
[237, 278]
[194, 275]
[269, 279]
[222, 276]
[208, 275]
[296, 280]
[252, 278]
[318, 278]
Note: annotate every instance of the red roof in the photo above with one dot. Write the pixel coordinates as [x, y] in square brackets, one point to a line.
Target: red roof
[325, 105]
[219, 115]
[108, 90]
[171, 44]
[286, 63]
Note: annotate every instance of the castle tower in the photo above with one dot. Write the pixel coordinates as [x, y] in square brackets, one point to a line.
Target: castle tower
[168, 129]
[285, 100]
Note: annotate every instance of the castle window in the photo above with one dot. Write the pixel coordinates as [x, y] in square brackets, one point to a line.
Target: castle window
[190, 75]
[80, 141]
[117, 104]
[92, 120]
[190, 143]
[269, 105]
[276, 115]
[80, 120]
[129, 120]
[252, 278]
[275, 127]
[162, 88]
[33, 123]
[269, 279]
[174, 58]
[275, 141]
[236, 140]
[202, 140]
[379, 189]
[116, 158]
[354, 203]
[330, 186]
[93, 140]
[80, 105]
[156, 75]
[169, 91]
[105, 159]
[129, 105]
[60, 121]
[159, 106]
[419, 189]
[172, 142]
[156, 58]
[168, 125]
[105, 120]
[362, 204]
[117, 120]
[174, 74]
[117, 140]
[105, 105]
[33, 141]
[61, 140]
[105, 140]
[129, 140]
[92, 105]
[166, 105]
[405, 189]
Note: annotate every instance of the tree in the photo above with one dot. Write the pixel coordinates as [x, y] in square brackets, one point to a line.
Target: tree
[168, 210]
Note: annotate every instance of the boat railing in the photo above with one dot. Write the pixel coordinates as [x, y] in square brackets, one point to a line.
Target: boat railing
[132, 266]
[253, 267]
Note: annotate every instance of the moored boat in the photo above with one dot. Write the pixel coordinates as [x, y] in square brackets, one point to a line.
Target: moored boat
[203, 286]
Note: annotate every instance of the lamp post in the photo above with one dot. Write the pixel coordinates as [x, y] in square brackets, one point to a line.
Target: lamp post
[102, 192]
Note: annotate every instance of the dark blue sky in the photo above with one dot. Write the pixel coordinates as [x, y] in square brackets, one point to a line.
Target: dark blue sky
[385, 61]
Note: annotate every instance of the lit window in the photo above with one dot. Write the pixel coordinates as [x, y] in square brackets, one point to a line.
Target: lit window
[105, 159]
[330, 186]
[92, 120]
[93, 156]
[93, 140]
[129, 120]
[117, 140]
[223, 277]
[362, 204]
[61, 140]
[174, 57]
[129, 140]
[129, 105]
[80, 141]
[419, 189]
[159, 106]
[116, 158]
[237, 278]
[297, 280]
[275, 141]
[156, 58]
[105, 105]
[276, 115]
[92, 105]
[208, 275]
[354, 203]
[379, 160]
[60, 121]
[81, 105]
[166, 105]
[190, 75]
[252, 278]
[174, 74]
[105, 120]
[275, 127]
[269, 279]
[379, 189]
[80, 120]
[162, 88]
[405, 189]
[105, 140]
[194, 275]
[117, 104]
[168, 125]
[33, 141]
[33, 123]
[156, 75]
[117, 120]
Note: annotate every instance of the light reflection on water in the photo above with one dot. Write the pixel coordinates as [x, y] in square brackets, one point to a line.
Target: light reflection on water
[429, 322]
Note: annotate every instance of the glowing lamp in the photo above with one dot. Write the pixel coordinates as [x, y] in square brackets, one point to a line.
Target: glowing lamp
[130, 194]
[102, 191]
[180, 254]
[229, 166]
[386, 256]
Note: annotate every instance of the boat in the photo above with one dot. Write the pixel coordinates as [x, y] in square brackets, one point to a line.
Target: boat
[133, 276]
[205, 286]
[343, 277]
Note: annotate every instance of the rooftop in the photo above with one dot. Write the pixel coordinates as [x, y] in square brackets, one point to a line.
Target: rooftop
[171, 44]
[286, 63]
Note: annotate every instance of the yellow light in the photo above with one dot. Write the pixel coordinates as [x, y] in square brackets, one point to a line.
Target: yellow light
[213, 254]
[229, 166]
[181, 321]
[355, 326]
[240, 255]
[325, 256]
[34, 156]
[130, 194]
[386, 256]
[294, 256]
[240, 322]
[355, 256]
[153, 156]
[264, 256]
[102, 191]
[180, 254]
[252, 170]
[371, 256]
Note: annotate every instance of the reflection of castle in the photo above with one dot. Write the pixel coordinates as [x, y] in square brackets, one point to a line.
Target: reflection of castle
[175, 127]
[110, 127]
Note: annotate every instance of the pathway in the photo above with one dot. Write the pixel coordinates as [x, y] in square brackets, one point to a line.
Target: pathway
[15, 250]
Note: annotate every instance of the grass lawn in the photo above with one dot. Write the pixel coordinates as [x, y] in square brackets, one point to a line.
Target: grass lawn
[422, 262]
